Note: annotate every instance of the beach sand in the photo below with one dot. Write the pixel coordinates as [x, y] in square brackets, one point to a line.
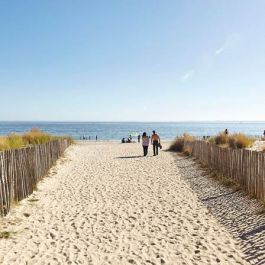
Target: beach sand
[258, 146]
[106, 204]
[241, 215]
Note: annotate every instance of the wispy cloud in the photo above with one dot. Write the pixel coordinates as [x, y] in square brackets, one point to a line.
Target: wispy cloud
[229, 43]
[207, 60]
[187, 76]
[220, 50]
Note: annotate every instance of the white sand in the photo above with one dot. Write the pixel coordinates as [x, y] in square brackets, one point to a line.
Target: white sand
[242, 216]
[258, 146]
[100, 208]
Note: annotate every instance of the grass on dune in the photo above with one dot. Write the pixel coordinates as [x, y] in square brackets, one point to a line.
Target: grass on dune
[178, 144]
[221, 139]
[240, 140]
[33, 137]
[235, 141]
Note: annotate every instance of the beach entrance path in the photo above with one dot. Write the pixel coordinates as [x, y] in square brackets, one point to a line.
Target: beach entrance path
[103, 204]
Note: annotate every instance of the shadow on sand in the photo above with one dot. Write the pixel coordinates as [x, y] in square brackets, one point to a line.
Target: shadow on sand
[240, 215]
[126, 157]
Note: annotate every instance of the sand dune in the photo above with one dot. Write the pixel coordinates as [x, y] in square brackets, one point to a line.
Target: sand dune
[103, 204]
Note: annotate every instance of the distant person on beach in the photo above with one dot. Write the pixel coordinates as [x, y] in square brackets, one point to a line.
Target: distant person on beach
[96, 137]
[226, 131]
[139, 138]
[145, 143]
[123, 141]
[155, 141]
[264, 134]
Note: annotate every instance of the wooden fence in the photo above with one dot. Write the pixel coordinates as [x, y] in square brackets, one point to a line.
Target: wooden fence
[21, 169]
[245, 167]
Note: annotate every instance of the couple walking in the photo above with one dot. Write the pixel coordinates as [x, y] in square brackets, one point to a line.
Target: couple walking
[155, 141]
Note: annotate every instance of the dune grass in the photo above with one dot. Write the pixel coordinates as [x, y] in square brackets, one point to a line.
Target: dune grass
[235, 141]
[178, 144]
[221, 139]
[239, 141]
[33, 137]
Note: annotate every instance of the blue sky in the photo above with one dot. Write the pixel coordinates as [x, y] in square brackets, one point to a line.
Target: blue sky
[132, 60]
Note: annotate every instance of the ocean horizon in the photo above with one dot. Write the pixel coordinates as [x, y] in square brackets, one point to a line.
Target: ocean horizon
[115, 130]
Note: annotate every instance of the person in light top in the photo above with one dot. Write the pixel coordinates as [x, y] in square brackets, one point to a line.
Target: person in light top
[145, 143]
[155, 141]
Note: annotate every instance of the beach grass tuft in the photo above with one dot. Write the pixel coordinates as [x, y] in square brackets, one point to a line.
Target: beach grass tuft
[221, 139]
[235, 141]
[239, 141]
[187, 150]
[14, 141]
[178, 144]
[33, 137]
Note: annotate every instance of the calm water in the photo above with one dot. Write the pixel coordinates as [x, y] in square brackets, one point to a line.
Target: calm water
[118, 130]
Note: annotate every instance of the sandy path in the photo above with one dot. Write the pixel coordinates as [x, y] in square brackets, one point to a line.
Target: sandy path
[101, 207]
[241, 215]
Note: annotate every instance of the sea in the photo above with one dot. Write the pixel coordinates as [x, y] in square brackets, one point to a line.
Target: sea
[117, 130]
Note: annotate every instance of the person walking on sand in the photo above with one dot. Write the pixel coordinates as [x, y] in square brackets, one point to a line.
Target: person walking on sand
[155, 141]
[145, 143]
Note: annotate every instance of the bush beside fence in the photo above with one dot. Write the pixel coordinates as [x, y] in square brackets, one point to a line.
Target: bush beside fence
[21, 170]
[243, 166]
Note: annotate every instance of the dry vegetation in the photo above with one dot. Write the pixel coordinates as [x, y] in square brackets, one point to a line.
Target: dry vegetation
[221, 139]
[33, 137]
[235, 141]
[178, 144]
[240, 141]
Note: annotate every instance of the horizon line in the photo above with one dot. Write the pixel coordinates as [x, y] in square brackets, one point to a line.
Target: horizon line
[113, 121]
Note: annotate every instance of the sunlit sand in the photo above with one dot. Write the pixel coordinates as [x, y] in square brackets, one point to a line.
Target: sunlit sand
[106, 204]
